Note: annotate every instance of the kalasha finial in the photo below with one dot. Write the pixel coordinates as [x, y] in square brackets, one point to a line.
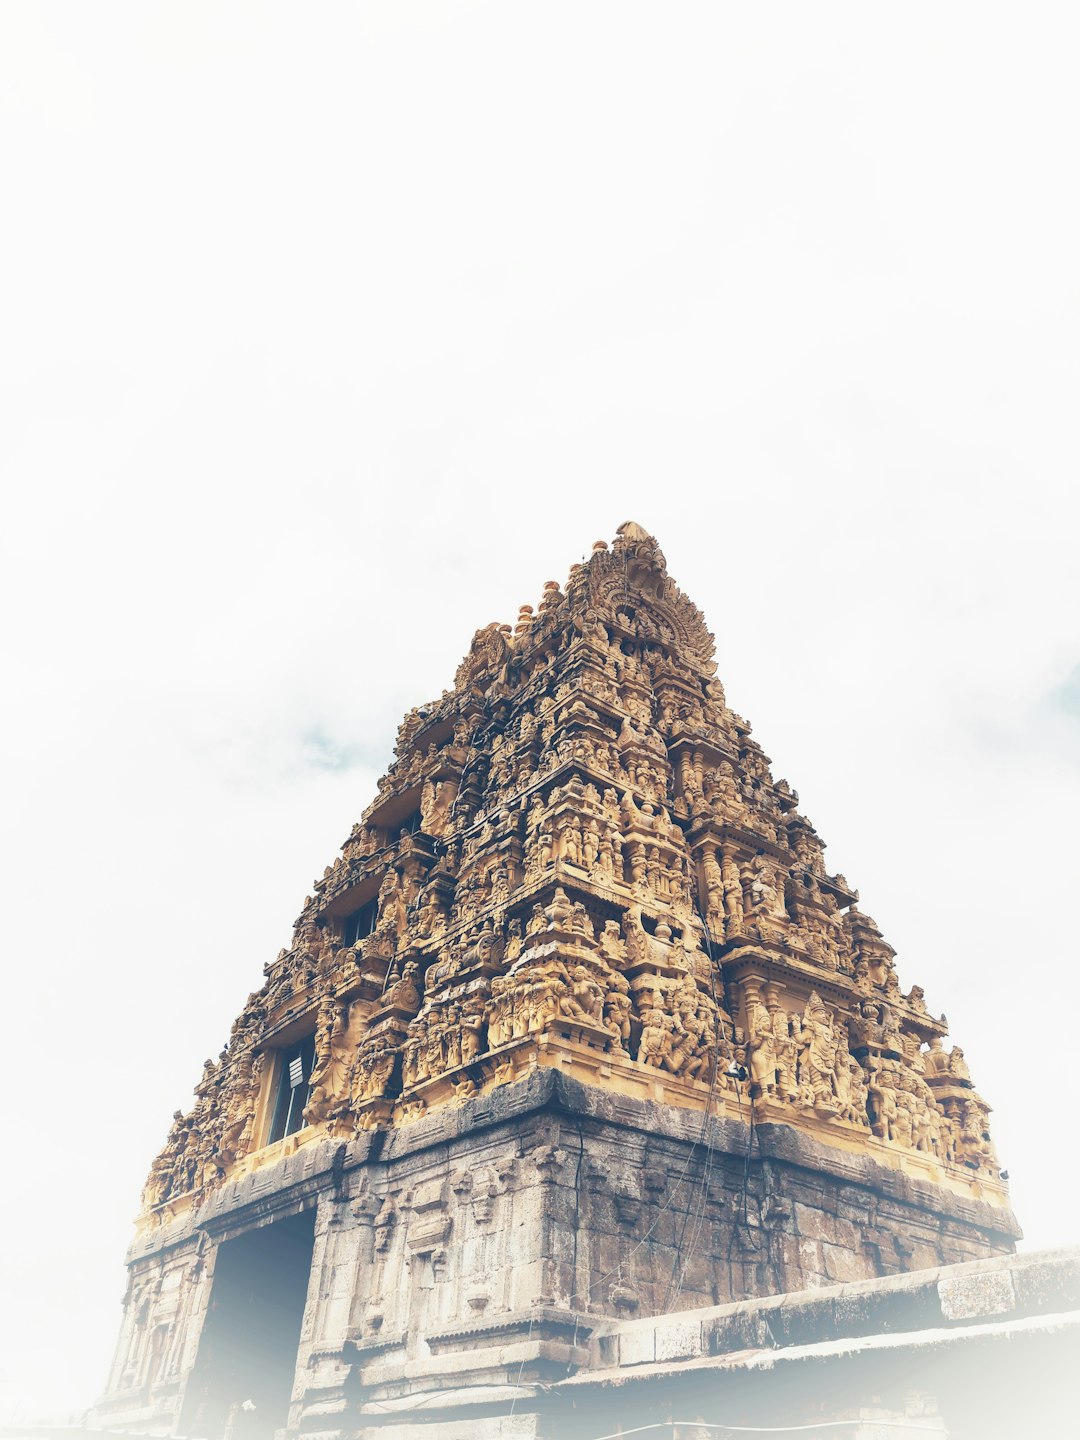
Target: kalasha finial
[632, 533]
[524, 620]
[552, 595]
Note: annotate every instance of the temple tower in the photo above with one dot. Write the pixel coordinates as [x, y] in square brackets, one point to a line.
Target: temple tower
[578, 1025]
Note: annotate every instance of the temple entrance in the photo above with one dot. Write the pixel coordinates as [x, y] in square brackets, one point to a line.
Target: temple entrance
[247, 1353]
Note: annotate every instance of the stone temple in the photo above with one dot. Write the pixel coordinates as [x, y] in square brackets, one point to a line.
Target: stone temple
[578, 1029]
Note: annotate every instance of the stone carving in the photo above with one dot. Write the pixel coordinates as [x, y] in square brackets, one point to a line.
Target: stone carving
[372, 1068]
[766, 896]
[817, 1054]
[761, 1046]
[338, 1036]
[580, 853]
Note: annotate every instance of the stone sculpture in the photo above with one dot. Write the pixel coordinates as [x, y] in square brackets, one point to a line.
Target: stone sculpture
[580, 851]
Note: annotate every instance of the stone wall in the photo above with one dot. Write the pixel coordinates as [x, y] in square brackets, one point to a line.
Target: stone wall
[481, 1245]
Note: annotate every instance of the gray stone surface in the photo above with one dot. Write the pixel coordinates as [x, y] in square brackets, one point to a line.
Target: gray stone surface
[965, 1296]
[487, 1242]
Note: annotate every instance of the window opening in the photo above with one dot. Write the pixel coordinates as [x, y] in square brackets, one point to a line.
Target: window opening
[294, 1084]
[361, 922]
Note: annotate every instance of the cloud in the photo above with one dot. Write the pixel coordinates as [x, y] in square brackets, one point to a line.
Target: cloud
[1065, 699]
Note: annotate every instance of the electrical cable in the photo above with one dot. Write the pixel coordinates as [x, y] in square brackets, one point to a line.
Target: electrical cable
[707, 1168]
[587, 1292]
[678, 1271]
[648, 1233]
[441, 1395]
[724, 1428]
[766, 1429]
[573, 1272]
[577, 1208]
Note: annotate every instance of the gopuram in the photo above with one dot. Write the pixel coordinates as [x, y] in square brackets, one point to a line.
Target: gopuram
[577, 1029]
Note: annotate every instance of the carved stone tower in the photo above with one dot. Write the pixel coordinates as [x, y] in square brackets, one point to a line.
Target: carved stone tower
[577, 1026]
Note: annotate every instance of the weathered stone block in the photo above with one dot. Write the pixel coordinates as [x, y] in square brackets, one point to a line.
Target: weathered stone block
[821, 1224]
[869, 1309]
[1047, 1283]
[637, 1345]
[986, 1294]
[748, 1328]
[841, 1264]
[678, 1339]
[804, 1321]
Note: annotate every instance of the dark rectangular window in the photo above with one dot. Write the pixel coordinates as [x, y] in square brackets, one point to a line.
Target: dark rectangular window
[411, 825]
[294, 1081]
[361, 922]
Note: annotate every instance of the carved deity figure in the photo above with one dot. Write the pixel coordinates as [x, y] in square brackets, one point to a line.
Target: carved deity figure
[761, 1046]
[817, 1056]
[432, 815]
[766, 897]
[713, 880]
[335, 1052]
[372, 1069]
[585, 1000]
[658, 1030]
[391, 905]
[787, 1038]
[733, 896]
[612, 945]
[958, 1067]
[498, 1012]
[618, 1012]
[882, 1103]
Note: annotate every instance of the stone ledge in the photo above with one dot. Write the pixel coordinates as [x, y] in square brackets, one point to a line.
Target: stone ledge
[548, 1089]
[766, 1360]
[272, 1189]
[544, 1321]
[266, 1190]
[947, 1298]
[516, 1354]
[360, 1347]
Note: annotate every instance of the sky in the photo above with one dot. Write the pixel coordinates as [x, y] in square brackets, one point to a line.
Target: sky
[329, 333]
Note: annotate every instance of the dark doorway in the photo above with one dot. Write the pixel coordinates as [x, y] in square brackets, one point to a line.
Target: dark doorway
[243, 1376]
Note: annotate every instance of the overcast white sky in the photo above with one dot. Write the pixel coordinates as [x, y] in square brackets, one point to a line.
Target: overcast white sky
[330, 332]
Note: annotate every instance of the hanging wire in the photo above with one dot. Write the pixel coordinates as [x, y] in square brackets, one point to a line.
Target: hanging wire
[611, 1274]
[726, 1429]
[587, 1291]
[678, 1272]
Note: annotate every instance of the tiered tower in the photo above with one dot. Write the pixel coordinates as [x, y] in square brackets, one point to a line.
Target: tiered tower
[577, 1024]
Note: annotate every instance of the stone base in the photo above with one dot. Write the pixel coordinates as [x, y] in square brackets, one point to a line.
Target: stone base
[468, 1257]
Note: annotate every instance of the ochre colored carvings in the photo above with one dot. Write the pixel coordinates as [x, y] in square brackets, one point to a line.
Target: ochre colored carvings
[580, 857]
